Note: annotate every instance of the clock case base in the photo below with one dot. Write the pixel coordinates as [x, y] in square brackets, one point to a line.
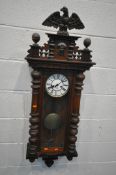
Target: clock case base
[49, 160]
[60, 54]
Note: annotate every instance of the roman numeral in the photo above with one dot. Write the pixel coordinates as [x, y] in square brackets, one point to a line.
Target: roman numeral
[63, 88]
[48, 84]
[64, 79]
[58, 76]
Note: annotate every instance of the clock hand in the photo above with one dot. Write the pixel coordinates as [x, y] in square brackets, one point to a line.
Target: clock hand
[57, 84]
[52, 86]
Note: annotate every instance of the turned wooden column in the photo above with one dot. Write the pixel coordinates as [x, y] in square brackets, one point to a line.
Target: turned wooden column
[74, 119]
[34, 131]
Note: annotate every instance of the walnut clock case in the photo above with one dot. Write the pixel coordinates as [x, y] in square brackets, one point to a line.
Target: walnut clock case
[57, 80]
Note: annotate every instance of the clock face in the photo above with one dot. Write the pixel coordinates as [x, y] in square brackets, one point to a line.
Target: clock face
[57, 85]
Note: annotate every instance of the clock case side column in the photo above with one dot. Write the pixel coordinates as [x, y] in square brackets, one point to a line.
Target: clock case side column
[33, 146]
[74, 119]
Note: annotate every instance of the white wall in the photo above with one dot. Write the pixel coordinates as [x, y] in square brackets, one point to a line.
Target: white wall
[97, 130]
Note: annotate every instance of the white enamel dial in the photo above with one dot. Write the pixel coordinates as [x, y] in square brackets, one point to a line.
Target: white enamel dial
[57, 85]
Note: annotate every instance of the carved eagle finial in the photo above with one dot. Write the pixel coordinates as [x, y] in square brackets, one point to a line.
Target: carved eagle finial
[64, 22]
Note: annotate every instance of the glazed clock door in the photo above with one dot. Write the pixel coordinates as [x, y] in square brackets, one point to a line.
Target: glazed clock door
[55, 113]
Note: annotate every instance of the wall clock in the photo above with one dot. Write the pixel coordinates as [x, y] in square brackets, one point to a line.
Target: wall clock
[57, 80]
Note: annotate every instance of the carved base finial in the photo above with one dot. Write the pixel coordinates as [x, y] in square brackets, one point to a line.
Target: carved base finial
[49, 162]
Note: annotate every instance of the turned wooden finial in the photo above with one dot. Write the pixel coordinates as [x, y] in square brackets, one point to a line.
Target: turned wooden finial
[36, 37]
[87, 42]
